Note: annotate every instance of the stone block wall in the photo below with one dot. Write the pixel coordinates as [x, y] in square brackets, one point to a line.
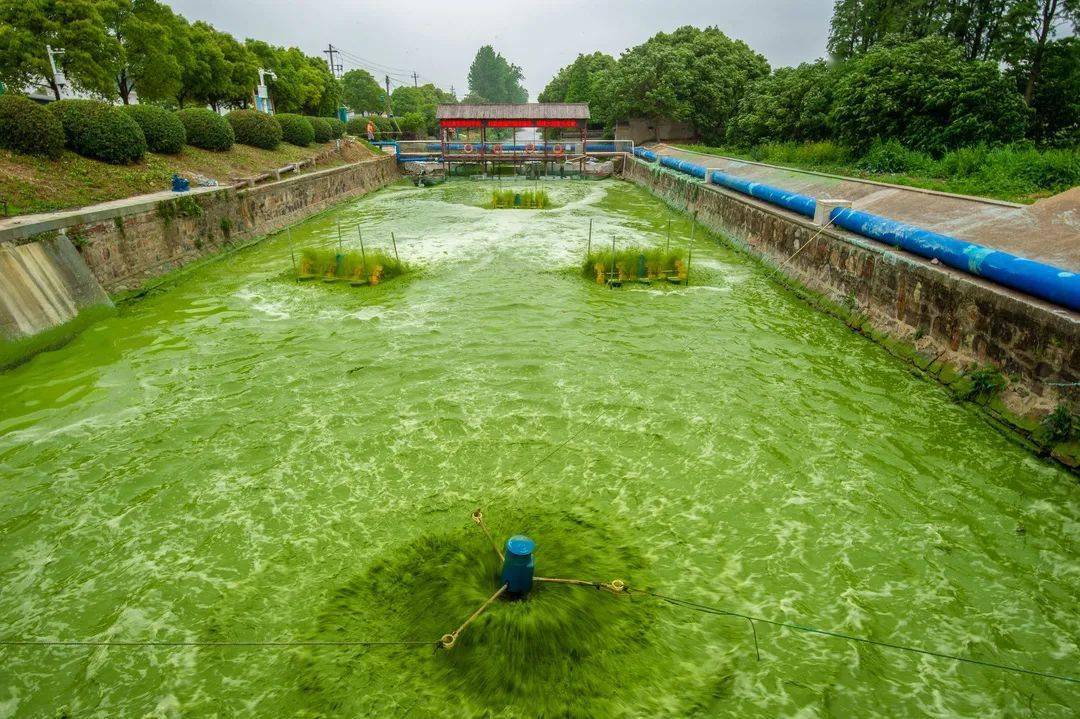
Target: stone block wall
[938, 318]
[140, 240]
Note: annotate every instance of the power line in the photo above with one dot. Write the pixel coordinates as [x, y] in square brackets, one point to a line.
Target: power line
[686, 604]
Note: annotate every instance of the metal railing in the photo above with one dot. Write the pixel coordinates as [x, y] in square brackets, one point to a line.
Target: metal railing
[419, 150]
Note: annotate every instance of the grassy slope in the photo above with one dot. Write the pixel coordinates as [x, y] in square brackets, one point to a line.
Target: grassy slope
[34, 184]
[975, 186]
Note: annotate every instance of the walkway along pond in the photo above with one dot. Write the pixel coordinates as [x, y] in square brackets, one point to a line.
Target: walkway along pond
[247, 458]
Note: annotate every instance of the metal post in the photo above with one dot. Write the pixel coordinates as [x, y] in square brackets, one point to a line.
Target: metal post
[612, 259]
[690, 252]
[363, 256]
[292, 254]
[394, 240]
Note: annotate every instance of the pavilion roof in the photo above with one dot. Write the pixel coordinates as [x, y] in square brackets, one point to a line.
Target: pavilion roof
[511, 111]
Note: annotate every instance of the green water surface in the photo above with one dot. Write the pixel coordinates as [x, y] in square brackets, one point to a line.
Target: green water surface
[229, 459]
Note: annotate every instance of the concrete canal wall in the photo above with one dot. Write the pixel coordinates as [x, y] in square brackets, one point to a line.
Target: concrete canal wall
[941, 320]
[117, 246]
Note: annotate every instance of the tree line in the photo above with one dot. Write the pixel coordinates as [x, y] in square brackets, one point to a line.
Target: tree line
[117, 48]
[932, 74]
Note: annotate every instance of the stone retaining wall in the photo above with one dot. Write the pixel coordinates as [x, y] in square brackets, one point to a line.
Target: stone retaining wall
[128, 242]
[942, 320]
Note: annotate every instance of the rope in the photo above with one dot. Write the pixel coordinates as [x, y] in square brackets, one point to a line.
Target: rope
[478, 517]
[802, 247]
[447, 640]
[840, 635]
[135, 644]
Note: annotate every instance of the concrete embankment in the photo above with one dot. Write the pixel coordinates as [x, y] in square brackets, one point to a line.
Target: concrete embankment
[943, 321]
[55, 264]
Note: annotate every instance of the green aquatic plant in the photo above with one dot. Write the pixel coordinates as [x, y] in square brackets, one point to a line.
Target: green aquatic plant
[520, 199]
[1059, 425]
[373, 266]
[635, 263]
[985, 383]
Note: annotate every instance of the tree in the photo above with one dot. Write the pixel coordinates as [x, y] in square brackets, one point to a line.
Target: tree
[584, 80]
[493, 78]
[302, 84]
[420, 101]
[792, 104]
[203, 75]
[693, 75]
[927, 96]
[153, 45]
[77, 27]
[361, 92]
[1056, 98]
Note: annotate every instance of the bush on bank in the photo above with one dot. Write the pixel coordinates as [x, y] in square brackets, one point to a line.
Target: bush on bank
[163, 130]
[207, 129]
[100, 130]
[337, 127]
[256, 129]
[295, 129]
[29, 128]
[322, 130]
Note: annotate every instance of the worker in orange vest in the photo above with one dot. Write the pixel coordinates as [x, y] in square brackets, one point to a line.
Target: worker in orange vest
[370, 131]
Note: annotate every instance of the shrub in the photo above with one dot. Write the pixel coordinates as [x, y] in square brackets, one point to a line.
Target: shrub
[207, 129]
[100, 130]
[357, 126]
[255, 128]
[985, 383]
[295, 129]
[29, 128]
[163, 130]
[323, 133]
[893, 158]
[337, 127]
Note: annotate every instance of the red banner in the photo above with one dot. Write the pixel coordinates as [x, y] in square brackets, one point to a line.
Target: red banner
[509, 123]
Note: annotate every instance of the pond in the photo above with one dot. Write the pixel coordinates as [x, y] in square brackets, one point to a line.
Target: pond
[244, 458]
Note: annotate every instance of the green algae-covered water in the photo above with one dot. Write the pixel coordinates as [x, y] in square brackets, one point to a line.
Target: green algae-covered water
[242, 458]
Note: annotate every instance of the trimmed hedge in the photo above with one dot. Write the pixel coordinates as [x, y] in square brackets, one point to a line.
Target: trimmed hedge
[296, 129]
[337, 127]
[357, 126]
[323, 133]
[29, 128]
[100, 130]
[163, 130]
[207, 129]
[254, 128]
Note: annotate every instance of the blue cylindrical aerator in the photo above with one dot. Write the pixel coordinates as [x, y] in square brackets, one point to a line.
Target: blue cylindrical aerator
[518, 564]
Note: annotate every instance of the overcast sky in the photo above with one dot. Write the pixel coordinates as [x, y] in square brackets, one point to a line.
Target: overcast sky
[439, 39]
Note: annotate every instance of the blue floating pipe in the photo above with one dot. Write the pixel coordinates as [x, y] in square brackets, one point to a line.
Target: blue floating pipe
[645, 154]
[1035, 278]
[795, 202]
[600, 147]
[683, 166]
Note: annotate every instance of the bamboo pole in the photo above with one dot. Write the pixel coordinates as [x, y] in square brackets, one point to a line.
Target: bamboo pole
[292, 254]
[690, 252]
[363, 256]
[588, 247]
[394, 240]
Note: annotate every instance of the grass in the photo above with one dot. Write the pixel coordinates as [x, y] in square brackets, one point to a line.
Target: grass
[635, 263]
[373, 266]
[1015, 173]
[520, 199]
[32, 184]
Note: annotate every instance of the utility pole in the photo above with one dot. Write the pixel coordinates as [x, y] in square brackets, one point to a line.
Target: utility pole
[414, 84]
[334, 68]
[58, 79]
